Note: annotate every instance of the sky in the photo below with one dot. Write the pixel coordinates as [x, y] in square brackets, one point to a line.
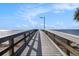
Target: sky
[27, 15]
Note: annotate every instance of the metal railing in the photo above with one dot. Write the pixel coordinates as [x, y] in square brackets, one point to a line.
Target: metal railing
[26, 34]
[63, 43]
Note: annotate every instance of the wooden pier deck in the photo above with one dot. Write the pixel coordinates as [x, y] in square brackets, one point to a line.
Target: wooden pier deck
[40, 43]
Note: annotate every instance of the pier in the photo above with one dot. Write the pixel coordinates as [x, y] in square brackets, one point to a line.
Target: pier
[40, 43]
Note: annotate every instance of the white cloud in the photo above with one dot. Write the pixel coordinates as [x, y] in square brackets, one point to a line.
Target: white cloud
[28, 13]
[22, 25]
[58, 8]
[63, 25]
[59, 24]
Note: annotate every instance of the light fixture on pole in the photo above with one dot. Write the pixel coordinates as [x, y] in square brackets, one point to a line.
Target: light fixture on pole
[44, 20]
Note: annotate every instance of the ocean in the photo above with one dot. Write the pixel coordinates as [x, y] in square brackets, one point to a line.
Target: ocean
[10, 32]
[70, 31]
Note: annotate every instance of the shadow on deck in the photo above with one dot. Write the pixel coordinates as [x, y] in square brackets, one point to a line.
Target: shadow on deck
[31, 47]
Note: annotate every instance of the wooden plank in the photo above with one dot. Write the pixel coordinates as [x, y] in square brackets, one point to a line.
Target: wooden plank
[3, 39]
[70, 37]
[11, 42]
[53, 42]
[75, 52]
[48, 48]
[21, 49]
[4, 51]
[66, 46]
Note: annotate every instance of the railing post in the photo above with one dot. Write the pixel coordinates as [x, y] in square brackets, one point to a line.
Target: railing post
[54, 38]
[11, 43]
[25, 38]
[67, 51]
[29, 34]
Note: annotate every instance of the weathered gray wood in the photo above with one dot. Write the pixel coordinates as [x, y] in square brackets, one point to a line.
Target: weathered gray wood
[66, 45]
[67, 51]
[11, 41]
[75, 52]
[73, 38]
[21, 49]
[48, 48]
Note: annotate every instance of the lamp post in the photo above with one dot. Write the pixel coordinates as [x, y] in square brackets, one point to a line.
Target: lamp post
[44, 20]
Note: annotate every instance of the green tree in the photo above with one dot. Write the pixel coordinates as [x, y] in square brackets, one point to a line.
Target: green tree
[76, 15]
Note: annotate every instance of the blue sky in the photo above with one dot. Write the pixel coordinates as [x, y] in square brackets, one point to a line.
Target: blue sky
[27, 16]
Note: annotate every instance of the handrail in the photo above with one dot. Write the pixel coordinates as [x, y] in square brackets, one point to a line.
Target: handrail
[30, 34]
[3, 39]
[70, 37]
[69, 49]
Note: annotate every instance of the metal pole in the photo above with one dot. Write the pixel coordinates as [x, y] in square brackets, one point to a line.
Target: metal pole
[44, 22]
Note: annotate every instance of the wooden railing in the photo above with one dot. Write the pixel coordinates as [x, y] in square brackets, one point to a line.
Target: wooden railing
[63, 43]
[27, 36]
